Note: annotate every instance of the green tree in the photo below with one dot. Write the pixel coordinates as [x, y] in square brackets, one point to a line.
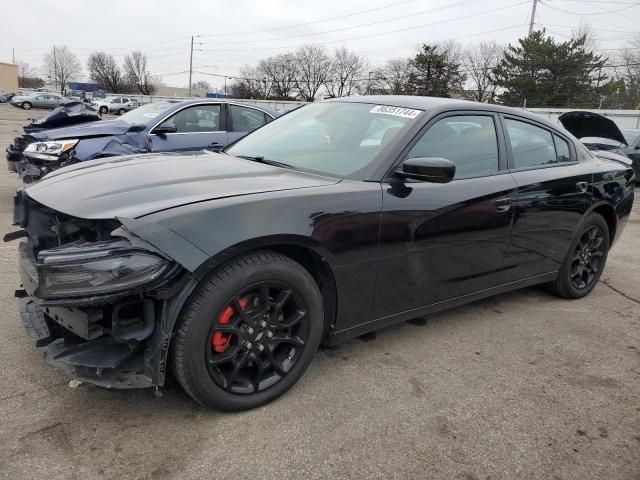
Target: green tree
[434, 72]
[548, 73]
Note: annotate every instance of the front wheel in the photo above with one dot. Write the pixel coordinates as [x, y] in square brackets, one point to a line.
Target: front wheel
[26, 105]
[585, 259]
[249, 332]
[122, 111]
[103, 110]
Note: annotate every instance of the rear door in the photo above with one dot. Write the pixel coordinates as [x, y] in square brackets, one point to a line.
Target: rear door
[554, 190]
[441, 241]
[198, 127]
[242, 120]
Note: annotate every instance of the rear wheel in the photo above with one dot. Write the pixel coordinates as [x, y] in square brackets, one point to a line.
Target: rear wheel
[249, 332]
[103, 110]
[585, 259]
[122, 111]
[26, 105]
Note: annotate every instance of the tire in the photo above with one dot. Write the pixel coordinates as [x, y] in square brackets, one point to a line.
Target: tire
[103, 110]
[122, 111]
[286, 350]
[26, 105]
[579, 274]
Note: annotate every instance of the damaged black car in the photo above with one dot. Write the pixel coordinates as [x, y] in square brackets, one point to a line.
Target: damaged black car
[228, 270]
[165, 126]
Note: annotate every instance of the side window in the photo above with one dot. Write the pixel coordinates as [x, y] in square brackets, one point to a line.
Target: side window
[200, 118]
[469, 141]
[531, 146]
[116, 100]
[562, 149]
[246, 119]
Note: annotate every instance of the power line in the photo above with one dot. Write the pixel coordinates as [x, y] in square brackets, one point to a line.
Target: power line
[361, 12]
[375, 34]
[592, 13]
[423, 12]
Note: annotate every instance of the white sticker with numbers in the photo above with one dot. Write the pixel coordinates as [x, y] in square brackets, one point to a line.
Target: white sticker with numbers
[396, 111]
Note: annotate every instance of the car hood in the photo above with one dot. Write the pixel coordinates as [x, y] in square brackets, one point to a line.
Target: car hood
[99, 128]
[589, 124]
[139, 185]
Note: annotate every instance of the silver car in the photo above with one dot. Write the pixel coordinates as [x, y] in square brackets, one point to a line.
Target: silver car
[38, 100]
[122, 105]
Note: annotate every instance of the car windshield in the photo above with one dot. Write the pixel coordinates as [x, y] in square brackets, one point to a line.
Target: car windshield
[146, 112]
[332, 138]
[631, 136]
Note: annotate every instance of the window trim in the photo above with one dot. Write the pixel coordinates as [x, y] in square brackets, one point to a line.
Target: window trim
[507, 139]
[230, 118]
[222, 122]
[502, 151]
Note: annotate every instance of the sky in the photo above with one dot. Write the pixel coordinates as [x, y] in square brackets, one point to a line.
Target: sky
[231, 33]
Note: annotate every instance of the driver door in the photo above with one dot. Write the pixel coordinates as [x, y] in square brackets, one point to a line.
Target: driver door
[197, 127]
[439, 241]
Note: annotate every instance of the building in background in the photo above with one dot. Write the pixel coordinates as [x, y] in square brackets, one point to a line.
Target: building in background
[9, 77]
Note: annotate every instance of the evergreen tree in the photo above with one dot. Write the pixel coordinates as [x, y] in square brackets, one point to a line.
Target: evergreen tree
[549, 73]
[434, 72]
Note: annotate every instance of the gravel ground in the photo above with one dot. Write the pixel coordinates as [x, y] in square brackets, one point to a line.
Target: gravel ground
[522, 385]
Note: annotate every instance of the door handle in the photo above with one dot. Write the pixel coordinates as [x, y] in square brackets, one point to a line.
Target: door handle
[582, 186]
[503, 204]
[215, 147]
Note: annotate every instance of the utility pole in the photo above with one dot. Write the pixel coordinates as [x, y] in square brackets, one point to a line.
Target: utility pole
[190, 65]
[533, 16]
[13, 55]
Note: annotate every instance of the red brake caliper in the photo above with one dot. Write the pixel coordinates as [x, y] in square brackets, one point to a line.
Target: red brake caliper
[220, 341]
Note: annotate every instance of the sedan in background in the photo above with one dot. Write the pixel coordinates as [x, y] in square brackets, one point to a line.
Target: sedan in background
[38, 100]
[154, 127]
[337, 219]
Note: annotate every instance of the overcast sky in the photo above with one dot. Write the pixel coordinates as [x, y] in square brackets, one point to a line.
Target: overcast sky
[231, 33]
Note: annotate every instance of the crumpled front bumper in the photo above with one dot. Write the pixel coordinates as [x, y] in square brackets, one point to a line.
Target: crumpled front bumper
[99, 341]
[101, 361]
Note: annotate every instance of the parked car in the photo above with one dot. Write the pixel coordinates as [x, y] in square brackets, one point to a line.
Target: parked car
[124, 107]
[313, 229]
[3, 96]
[154, 127]
[114, 104]
[601, 135]
[38, 100]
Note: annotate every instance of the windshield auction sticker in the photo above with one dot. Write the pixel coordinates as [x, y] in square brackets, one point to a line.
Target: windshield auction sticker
[396, 111]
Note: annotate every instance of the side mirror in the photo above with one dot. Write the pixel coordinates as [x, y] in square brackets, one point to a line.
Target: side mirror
[431, 169]
[165, 128]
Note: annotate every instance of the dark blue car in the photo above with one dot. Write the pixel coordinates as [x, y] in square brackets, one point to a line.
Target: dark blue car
[155, 127]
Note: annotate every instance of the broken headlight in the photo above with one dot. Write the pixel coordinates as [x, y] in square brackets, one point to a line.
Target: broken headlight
[49, 150]
[96, 268]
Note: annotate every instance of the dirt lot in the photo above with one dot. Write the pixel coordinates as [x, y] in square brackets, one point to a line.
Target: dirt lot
[523, 385]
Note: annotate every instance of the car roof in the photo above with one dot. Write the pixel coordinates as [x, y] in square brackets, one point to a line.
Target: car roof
[182, 103]
[441, 104]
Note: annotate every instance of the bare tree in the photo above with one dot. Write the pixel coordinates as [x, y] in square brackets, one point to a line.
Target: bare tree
[136, 72]
[251, 84]
[391, 78]
[201, 85]
[346, 74]
[62, 66]
[313, 70]
[478, 62]
[28, 77]
[104, 70]
[281, 70]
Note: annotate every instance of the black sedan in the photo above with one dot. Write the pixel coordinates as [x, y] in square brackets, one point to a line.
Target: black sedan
[341, 217]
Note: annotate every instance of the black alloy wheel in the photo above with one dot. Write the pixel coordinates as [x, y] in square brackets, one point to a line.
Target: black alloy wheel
[248, 333]
[257, 338]
[103, 110]
[585, 260]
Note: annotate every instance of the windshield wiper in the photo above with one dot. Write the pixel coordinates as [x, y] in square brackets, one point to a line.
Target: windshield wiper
[261, 159]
